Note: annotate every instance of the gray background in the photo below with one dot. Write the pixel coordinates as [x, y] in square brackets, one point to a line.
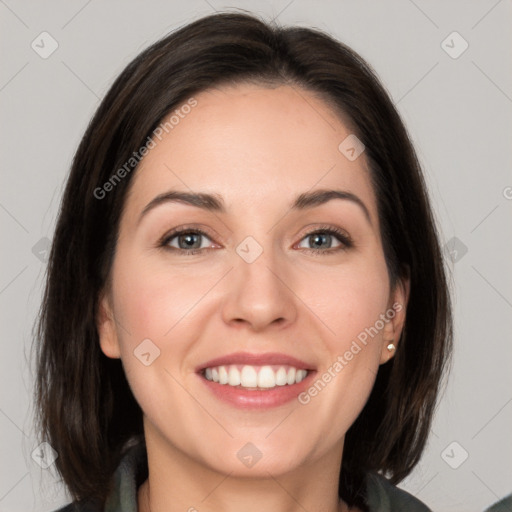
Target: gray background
[458, 112]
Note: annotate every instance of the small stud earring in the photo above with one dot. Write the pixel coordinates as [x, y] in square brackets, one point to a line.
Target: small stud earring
[391, 347]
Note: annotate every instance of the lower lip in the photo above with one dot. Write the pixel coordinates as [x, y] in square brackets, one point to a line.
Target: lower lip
[247, 399]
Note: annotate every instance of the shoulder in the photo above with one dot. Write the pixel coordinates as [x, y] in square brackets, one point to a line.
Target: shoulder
[383, 496]
[130, 473]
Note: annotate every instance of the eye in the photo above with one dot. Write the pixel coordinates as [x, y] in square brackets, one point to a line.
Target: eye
[186, 241]
[326, 240]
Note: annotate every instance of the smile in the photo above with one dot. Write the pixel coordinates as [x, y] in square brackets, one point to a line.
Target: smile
[256, 381]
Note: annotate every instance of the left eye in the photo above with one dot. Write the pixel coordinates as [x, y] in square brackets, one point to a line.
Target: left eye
[321, 240]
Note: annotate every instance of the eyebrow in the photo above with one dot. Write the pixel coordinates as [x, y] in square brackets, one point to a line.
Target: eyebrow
[215, 203]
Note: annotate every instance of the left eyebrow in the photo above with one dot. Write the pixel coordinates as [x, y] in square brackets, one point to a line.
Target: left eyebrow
[319, 197]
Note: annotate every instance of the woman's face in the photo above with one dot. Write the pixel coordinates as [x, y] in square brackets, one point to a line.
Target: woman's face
[280, 272]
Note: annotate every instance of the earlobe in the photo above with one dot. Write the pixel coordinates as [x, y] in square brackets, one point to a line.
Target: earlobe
[393, 328]
[389, 342]
[105, 325]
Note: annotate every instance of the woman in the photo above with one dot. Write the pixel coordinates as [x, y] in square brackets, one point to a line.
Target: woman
[199, 349]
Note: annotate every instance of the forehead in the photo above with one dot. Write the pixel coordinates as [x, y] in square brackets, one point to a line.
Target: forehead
[253, 145]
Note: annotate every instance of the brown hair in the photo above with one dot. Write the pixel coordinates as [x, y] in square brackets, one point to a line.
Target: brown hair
[86, 410]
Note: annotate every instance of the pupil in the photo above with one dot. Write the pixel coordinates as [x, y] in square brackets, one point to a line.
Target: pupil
[189, 239]
[318, 239]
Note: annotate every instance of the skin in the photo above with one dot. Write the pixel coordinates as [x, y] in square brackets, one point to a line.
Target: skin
[258, 148]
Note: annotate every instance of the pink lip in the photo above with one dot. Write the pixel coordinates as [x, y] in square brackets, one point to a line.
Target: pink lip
[247, 399]
[256, 360]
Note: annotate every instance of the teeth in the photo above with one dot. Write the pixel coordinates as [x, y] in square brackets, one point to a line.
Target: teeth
[291, 376]
[253, 377]
[234, 376]
[266, 378]
[223, 375]
[248, 377]
[300, 375]
[281, 377]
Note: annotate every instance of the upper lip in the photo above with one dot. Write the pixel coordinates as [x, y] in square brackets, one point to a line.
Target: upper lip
[268, 358]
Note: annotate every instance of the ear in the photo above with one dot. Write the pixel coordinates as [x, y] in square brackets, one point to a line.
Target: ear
[106, 326]
[395, 314]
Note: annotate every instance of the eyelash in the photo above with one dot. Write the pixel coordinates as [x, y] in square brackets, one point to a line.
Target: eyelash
[342, 237]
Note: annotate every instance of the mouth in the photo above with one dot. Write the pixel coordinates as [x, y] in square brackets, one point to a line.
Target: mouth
[256, 380]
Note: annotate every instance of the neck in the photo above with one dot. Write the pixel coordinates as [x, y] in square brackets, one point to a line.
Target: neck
[178, 483]
[144, 501]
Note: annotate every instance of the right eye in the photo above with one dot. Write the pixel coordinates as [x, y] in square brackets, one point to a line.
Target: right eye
[186, 241]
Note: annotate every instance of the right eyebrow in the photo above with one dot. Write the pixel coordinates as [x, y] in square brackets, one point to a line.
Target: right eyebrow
[210, 202]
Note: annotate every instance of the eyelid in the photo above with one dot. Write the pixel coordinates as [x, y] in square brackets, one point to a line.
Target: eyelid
[342, 235]
[311, 229]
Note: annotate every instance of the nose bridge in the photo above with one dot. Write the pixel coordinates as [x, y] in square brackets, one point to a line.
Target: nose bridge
[257, 293]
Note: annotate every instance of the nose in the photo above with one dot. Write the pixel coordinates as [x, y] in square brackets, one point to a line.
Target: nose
[259, 294]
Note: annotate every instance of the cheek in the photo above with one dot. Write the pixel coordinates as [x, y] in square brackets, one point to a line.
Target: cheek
[152, 301]
[350, 303]
[349, 300]
[165, 307]
[153, 329]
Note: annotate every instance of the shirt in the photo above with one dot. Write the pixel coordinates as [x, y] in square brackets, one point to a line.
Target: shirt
[133, 470]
